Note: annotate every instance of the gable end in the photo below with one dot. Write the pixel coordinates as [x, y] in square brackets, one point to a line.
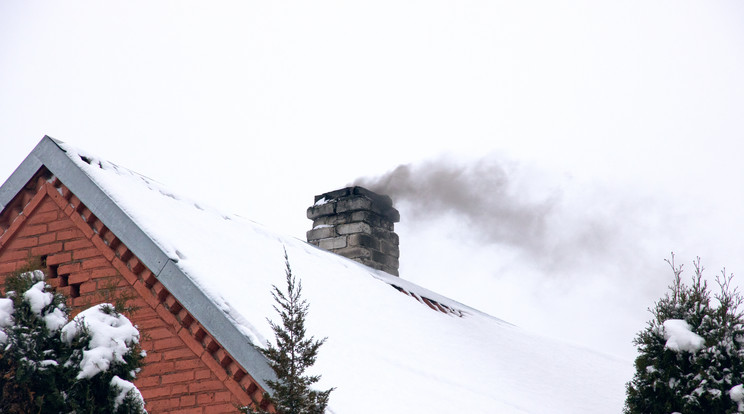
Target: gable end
[39, 221]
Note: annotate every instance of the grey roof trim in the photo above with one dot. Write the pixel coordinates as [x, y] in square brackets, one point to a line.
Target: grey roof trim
[204, 310]
[49, 154]
[20, 177]
[54, 158]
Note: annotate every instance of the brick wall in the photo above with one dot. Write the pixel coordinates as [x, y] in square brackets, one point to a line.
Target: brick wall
[187, 370]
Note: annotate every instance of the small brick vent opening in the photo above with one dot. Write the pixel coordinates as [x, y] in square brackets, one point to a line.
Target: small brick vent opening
[358, 224]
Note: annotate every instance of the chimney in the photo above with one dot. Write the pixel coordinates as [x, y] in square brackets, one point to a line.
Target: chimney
[358, 224]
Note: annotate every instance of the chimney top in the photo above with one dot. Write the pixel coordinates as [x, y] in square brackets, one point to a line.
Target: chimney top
[380, 204]
[358, 224]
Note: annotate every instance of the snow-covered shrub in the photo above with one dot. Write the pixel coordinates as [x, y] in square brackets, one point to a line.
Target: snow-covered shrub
[50, 365]
[691, 354]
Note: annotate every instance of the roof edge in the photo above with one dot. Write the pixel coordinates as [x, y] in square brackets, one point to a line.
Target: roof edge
[23, 173]
[59, 163]
[217, 323]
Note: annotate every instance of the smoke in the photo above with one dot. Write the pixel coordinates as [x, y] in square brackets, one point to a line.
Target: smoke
[530, 245]
[557, 225]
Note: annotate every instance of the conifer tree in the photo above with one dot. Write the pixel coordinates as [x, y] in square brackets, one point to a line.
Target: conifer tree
[691, 354]
[47, 363]
[293, 354]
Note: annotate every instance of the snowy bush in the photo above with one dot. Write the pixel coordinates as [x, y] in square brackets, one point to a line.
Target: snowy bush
[691, 354]
[111, 338]
[50, 365]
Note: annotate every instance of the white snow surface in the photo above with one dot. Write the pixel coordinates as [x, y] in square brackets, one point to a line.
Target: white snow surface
[111, 338]
[37, 298]
[6, 312]
[6, 317]
[124, 387]
[385, 352]
[55, 319]
[680, 338]
[737, 395]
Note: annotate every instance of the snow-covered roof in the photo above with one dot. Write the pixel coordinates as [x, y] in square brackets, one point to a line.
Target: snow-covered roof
[386, 352]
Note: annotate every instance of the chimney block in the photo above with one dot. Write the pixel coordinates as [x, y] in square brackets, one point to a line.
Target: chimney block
[353, 228]
[358, 224]
[332, 244]
[319, 233]
[319, 210]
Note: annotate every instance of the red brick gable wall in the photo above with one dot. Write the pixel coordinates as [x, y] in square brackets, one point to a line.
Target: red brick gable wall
[187, 370]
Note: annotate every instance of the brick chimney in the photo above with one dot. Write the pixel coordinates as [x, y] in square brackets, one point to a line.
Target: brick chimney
[358, 224]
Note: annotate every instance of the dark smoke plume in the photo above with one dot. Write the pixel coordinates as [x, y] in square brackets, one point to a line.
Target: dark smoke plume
[479, 194]
[495, 201]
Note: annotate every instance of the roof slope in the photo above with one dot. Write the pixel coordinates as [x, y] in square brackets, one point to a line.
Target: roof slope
[385, 351]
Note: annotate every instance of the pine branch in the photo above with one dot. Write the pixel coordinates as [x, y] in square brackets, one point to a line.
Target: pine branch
[293, 353]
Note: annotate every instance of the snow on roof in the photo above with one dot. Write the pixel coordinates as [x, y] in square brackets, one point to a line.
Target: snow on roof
[385, 351]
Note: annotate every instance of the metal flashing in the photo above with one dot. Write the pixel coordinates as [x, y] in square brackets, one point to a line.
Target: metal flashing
[217, 323]
[59, 163]
[22, 174]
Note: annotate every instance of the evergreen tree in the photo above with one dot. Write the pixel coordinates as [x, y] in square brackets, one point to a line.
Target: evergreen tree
[691, 354]
[293, 354]
[51, 365]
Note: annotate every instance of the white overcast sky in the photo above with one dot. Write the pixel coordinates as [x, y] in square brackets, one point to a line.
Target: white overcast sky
[617, 126]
